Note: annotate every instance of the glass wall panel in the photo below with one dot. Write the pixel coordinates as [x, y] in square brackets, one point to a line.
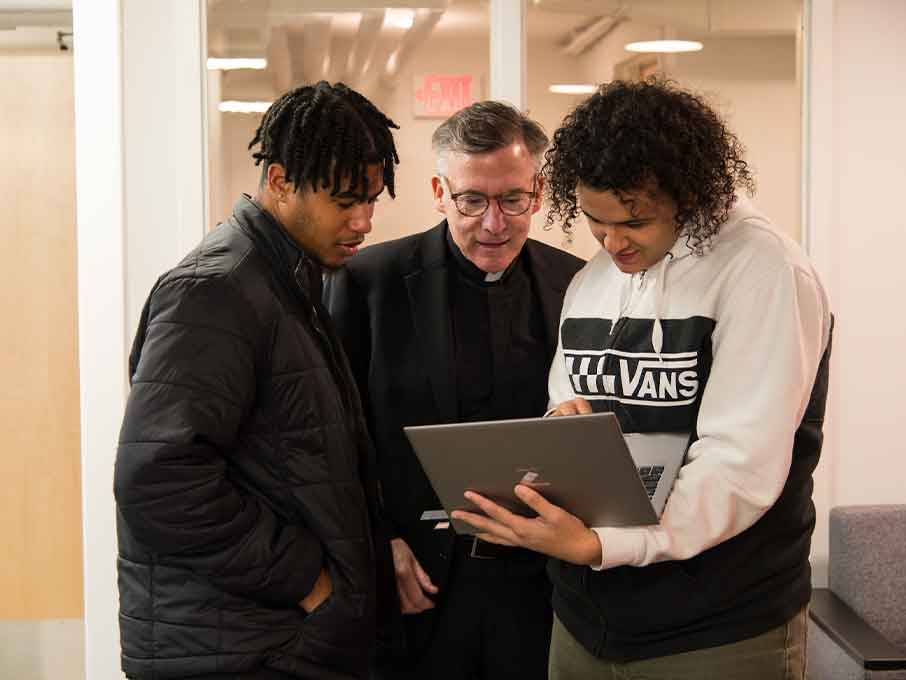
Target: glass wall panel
[418, 62]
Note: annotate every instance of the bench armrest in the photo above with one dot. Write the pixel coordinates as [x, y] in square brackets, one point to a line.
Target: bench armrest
[856, 637]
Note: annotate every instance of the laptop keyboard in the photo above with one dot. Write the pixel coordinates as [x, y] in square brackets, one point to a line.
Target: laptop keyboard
[650, 476]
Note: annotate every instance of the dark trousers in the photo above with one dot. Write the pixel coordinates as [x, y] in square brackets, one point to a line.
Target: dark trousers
[779, 654]
[493, 622]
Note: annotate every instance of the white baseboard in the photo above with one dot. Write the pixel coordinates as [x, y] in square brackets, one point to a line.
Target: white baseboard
[52, 649]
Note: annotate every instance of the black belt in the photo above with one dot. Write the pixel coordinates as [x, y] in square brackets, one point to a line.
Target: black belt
[474, 547]
[260, 674]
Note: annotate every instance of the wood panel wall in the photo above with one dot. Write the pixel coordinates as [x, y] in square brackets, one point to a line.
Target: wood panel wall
[40, 506]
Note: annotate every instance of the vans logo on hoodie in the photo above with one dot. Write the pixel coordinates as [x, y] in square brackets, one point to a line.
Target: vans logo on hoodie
[623, 366]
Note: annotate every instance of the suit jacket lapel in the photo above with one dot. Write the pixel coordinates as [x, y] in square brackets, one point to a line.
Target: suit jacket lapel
[550, 285]
[427, 285]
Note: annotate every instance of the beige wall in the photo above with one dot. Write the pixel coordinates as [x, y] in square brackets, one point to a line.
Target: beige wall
[412, 211]
[599, 63]
[41, 568]
[547, 65]
[241, 174]
[753, 82]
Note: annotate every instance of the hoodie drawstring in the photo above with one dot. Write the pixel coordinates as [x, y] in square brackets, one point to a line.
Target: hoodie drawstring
[657, 331]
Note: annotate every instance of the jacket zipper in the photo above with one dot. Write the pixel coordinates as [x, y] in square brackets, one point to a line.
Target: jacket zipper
[334, 365]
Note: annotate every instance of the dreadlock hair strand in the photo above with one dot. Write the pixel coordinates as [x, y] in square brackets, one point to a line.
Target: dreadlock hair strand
[325, 136]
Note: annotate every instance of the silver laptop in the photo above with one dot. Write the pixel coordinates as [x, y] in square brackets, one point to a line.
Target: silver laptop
[582, 463]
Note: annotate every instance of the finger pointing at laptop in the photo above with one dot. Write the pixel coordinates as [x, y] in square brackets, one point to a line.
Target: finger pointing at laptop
[573, 407]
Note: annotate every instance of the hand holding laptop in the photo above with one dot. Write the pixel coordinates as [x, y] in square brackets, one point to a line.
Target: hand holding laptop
[582, 464]
[554, 532]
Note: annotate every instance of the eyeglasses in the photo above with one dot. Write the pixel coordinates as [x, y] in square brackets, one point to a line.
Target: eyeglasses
[474, 204]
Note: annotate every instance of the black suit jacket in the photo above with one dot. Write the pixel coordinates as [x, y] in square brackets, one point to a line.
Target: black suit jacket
[390, 306]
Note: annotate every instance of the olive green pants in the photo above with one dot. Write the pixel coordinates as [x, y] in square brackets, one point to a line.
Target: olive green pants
[779, 654]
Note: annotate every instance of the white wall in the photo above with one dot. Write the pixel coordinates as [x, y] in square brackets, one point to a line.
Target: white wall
[858, 237]
[140, 206]
[869, 237]
[102, 333]
[163, 133]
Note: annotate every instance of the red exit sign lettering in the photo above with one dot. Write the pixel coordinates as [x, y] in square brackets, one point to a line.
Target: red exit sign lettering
[441, 95]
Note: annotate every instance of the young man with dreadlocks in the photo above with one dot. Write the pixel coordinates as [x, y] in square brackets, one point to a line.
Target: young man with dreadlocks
[250, 529]
[697, 316]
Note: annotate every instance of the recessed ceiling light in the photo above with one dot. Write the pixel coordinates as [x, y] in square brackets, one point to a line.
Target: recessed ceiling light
[233, 106]
[399, 18]
[665, 46]
[221, 64]
[580, 88]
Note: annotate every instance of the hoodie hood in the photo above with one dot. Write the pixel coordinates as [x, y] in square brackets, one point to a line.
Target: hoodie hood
[742, 211]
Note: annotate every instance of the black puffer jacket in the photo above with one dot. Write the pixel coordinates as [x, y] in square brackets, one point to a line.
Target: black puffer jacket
[243, 467]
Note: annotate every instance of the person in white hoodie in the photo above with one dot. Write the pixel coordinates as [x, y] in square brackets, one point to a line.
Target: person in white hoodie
[697, 316]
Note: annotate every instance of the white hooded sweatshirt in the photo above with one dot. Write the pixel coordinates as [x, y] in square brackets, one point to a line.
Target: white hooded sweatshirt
[725, 345]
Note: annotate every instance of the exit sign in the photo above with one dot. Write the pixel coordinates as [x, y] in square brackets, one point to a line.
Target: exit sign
[438, 95]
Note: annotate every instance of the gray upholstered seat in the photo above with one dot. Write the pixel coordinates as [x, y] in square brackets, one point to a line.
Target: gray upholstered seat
[857, 626]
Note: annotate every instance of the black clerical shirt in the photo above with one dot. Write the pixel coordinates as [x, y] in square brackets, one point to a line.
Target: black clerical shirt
[501, 356]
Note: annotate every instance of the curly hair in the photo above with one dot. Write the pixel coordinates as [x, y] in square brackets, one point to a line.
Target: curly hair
[323, 133]
[635, 135]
